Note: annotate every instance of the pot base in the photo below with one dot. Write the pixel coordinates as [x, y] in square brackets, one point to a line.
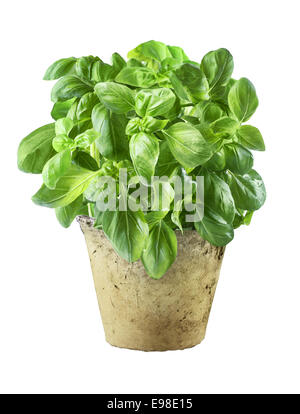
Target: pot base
[154, 315]
[156, 349]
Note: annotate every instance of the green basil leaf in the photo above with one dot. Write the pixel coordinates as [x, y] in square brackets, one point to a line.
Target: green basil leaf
[84, 67]
[98, 115]
[72, 112]
[177, 53]
[238, 218]
[134, 126]
[109, 168]
[217, 66]
[190, 83]
[175, 216]
[68, 188]
[174, 112]
[219, 211]
[224, 127]
[112, 143]
[150, 124]
[127, 231]
[56, 167]
[36, 149]
[218, 198]
[144, 152]
[147, 124]
[248, 217]
[162, 195]
[62, 142]
[169, 64]
[192, 120]
[86, 105]
[60, 68]
[250, 137]
[207, 111]
[115, 97]
[63, 126]
[160, 251]
[98, 217]
[215, 141]
[154, 102]
[242, 99]
[214, 229]
[212, 112]
[153, 51]
[118, 62]
[86, 138]
[217, 162]
[65, 215]
[85, 160]
[187, 145]
[248, 190]
[140, 77]
[80, 126]
[61, 109]
[166, 165]
[69, 87]
[238, 159]
[181, 91]
[154, 217]
[94, 190]
[102, 72]
[149, 51]
[242, 217]
[134, 63]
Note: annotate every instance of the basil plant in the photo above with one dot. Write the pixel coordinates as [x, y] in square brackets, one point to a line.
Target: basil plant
[158, 114]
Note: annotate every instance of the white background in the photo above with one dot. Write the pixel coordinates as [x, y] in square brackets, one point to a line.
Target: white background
[51, 335]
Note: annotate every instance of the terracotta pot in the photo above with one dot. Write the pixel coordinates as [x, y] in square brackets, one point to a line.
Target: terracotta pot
[154, 315]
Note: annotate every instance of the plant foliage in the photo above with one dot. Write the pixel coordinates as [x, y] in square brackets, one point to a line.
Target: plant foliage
[156, 114]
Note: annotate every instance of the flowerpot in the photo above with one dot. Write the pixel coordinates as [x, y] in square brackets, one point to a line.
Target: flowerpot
[154, 315]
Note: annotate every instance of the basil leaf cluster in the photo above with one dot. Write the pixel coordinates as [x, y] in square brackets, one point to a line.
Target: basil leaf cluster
[158, 113]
